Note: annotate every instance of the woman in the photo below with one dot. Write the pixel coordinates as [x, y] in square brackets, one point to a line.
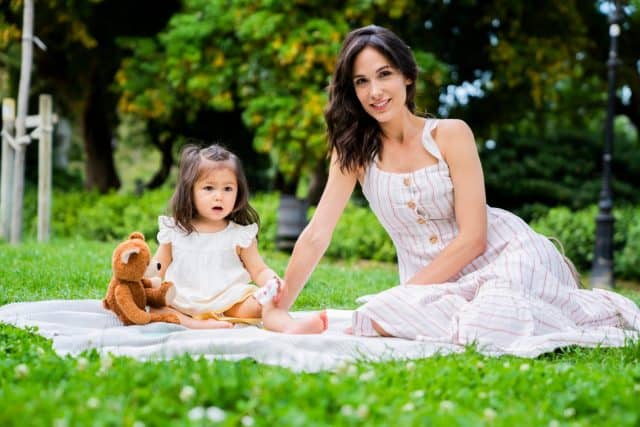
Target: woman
[468, 272]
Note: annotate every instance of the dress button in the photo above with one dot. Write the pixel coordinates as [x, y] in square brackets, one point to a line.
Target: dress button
[406, 182]
[421, 221]
[433, 239]
[411, 205]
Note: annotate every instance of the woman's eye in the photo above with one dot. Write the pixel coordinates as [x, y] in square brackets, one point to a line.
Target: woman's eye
[385, 73]
[359, 82]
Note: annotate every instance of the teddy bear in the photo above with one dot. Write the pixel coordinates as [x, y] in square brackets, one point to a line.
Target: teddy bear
[130, 291]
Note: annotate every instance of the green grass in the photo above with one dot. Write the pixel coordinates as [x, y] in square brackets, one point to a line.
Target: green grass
[573, 387]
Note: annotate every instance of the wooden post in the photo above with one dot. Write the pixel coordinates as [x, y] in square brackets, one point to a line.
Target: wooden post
[23, 101]
[44, 167]
[8, 121]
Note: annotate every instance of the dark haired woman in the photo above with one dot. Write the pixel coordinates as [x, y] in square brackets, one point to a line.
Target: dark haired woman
[468, 272]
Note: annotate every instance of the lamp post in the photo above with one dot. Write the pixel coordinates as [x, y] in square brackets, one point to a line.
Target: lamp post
[602, 268]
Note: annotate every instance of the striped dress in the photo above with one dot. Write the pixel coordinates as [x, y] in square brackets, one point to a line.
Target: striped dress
[519, 294]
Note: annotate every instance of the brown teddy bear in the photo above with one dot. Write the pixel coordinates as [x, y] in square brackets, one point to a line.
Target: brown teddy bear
[130, 291]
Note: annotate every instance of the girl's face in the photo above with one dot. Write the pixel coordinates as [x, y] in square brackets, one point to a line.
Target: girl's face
[214, 196]
[380, 87]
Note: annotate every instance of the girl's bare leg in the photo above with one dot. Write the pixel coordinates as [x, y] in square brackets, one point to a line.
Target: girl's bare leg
[192, 323]
[279, 320]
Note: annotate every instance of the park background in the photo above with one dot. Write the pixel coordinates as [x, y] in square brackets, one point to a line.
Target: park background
[132, 82]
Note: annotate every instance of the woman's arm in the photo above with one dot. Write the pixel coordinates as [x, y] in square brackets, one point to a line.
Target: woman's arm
[458, 148]
[163, 255]
[316, 236]
[258, 270]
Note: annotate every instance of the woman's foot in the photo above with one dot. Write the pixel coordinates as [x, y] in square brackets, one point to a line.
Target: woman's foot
[314, 324]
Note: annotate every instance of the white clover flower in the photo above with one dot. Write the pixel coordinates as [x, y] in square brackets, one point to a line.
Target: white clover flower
[417, 394]
[346, 410]
[196, 413]
[21, 371]
[506, 364]
[334, 379]
[187, 393]
[447, 405]
[362, 412]
[636, 387]
[480, 364]
[352, 370]
[525, 367]
[93, 402]
[60, 422]
[554, 423]
[482, 395]
[408, 407]
[216, 414]
[569, 412]
[367, 376]
[489, 414]
[411, 366]
[106, 362]
[82, 363]
[40, 351]
[247, 421]
[138, 424]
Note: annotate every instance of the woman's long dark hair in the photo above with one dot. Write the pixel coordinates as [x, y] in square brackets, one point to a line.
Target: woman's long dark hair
[196, 161]
[353, 133]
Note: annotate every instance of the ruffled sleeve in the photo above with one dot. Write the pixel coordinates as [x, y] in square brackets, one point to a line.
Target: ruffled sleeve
[244, 234]
[166, 226]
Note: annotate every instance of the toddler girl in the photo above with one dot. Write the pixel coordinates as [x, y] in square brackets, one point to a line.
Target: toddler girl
[208, 249]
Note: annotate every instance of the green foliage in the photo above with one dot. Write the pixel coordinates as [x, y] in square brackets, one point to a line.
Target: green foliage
[271, 60]
[576, 232]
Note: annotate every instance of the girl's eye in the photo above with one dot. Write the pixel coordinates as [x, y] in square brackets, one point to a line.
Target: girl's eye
[228, 188]
[208, 188]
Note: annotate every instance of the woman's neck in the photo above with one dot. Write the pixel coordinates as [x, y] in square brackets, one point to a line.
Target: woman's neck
[402, 128]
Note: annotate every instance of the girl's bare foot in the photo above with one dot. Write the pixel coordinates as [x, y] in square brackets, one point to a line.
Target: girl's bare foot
[314, 324]
[192, 323]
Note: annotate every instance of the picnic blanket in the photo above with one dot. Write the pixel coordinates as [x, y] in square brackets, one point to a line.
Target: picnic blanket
[79, 325]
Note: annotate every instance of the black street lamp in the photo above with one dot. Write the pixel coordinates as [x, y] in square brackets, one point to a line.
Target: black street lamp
[602, 268]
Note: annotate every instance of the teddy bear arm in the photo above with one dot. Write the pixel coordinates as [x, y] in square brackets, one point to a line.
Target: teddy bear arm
[128, 307]
[162, 296]
[146, 283]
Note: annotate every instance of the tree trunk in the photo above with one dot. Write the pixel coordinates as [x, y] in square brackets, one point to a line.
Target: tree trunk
[318, 181]
[100, 172]
[163, 172]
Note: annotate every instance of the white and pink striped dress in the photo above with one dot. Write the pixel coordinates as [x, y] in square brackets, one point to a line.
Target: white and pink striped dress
[519, 296]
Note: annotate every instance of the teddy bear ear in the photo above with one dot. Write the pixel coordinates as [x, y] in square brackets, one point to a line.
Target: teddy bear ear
[124, 256]
[136, 235]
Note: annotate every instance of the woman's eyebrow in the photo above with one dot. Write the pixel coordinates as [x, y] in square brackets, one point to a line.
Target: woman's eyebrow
[377, 71]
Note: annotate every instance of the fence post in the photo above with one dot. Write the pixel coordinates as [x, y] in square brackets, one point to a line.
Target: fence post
[6, 186]
[44, 167]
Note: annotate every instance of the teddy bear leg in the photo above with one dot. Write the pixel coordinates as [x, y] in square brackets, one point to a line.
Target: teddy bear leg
[128, 308]
[165, 317]
[162, 296]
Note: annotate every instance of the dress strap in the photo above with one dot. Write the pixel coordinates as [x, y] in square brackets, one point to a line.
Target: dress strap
[428, 142]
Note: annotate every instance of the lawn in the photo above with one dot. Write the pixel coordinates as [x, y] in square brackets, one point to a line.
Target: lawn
[573, 387]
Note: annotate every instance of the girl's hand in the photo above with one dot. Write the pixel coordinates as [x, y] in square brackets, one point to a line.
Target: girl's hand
[281, 286]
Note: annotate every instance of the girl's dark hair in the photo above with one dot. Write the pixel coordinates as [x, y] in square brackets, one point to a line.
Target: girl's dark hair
[196, 161]
[354, 134]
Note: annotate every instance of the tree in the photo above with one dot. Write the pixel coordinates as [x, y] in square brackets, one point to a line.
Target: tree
[270, 60]
[80, 63]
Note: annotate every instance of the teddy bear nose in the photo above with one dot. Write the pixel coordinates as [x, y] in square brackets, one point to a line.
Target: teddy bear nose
[158, 265]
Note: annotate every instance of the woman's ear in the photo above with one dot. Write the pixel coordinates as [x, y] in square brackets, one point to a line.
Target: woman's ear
[407, 82]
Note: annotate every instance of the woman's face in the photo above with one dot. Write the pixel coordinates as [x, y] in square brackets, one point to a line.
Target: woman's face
[380, 87]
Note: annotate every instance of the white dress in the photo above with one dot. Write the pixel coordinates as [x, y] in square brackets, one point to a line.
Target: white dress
[206, 270]
[519, 293]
